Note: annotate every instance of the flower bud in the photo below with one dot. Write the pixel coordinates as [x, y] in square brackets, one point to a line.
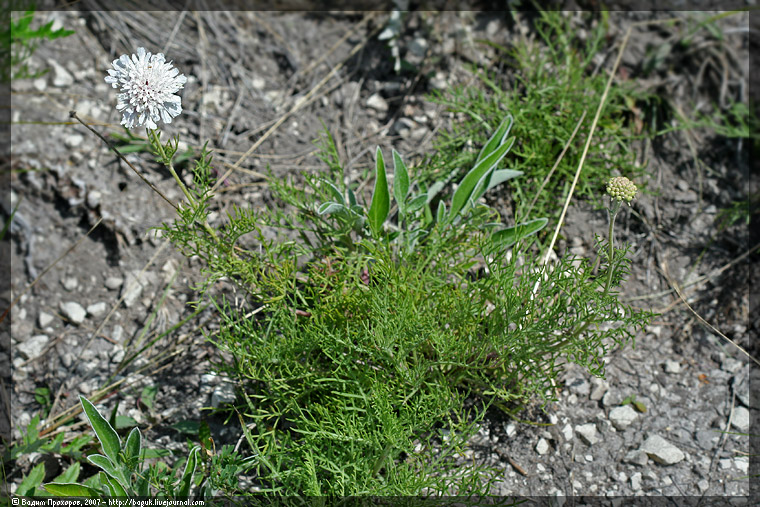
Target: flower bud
[622, 189]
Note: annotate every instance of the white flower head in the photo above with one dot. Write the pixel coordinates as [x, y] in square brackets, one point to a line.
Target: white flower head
[148, 84]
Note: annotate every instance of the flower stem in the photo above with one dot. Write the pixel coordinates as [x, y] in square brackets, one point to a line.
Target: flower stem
[168, 163]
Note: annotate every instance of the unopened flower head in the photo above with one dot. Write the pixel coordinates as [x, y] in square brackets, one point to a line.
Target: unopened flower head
[148, 84]
[622, 189]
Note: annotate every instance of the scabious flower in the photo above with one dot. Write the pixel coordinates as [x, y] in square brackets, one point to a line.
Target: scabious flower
[622, 189]
[148, 84]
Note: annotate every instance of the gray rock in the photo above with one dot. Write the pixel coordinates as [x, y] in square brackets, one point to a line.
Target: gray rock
[740, 420]
[598, 388]
[636, 481]
[223, 394]
[378, 103]
[418, 47]
[44, 319]
[703, 485]
[132, 288]
[113, 282]
[579, 386]
[636, 457]
[97, 309]
[542, 447]
[33, 347]
[588, 433]
[567, 432]
[707, 439]
[61, 76]
[672, 367]
[73, 140]
[67, 359]
[70, 283]
[74, 312]
[740, 386]
[662, 451]
[622, 417]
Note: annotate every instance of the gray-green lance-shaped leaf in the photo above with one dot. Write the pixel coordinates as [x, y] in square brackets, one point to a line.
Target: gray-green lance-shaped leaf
[109, 439]
[330, 207]
[187, 475]
[114, 486]
[132, 448]
[400, 182]
[380, 206]
[511, 235]
[417, 202]
[468, 183]
[105, 464]
[441, 213]
[497, 139]
[337, 195]
[71, 489]
[492, 179]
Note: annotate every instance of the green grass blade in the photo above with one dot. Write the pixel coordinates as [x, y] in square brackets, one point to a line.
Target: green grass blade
[497, 139]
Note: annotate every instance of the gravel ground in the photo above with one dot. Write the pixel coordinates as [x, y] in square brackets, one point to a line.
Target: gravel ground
[250, 70]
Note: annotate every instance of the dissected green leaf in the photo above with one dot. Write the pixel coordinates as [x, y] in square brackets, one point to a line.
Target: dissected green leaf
[31, 481]
[69, 475]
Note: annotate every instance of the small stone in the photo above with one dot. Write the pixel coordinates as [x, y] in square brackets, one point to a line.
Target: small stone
[61, 77]
[258, 83]
[97, 309]
[40, 84]
[567, 431]
[33, 347]
[73, 140]
[662, 451]
[378, 103]
[672, 367]
[418, 47]
[223, 394]
[742, 463]
[74, 312]
[439, 81]
[119, 355]
[622, 417]
[132, 288]
[510, 429]
[117, 332]
[588, 433]
[579, 386]
[725, 463]
[70, 283]
[703, 485]
[93, 198]
[113, 282]
[542, 447]
[588, 458]
[740, 420]
[707, 439]
[636, 481]
[636, 457]
[67, 359]
[598, 388]
[44, 319]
